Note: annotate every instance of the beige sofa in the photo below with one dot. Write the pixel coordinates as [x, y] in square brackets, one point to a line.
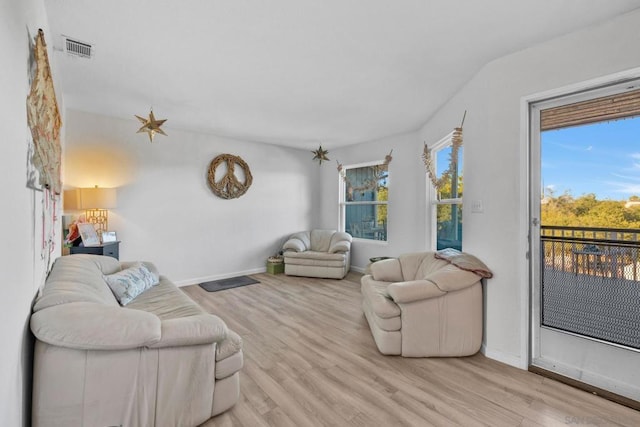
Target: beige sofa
[318, 253]
[420, 306]
[159, 361]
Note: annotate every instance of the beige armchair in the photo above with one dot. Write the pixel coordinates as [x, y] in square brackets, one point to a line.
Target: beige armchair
[420, 306]
[318, 253]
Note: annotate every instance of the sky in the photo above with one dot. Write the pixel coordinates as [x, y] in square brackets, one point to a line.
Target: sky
[601, 158]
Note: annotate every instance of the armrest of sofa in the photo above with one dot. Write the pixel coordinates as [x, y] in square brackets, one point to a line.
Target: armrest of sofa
[91, 326]
[191, 330]
[340, 242]
[294, 244]
[413, 290]
[451, 278]
[341, 246]
[387, 270]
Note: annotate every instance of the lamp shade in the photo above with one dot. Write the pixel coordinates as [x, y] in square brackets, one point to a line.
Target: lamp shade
[71, 200]
[96, 198]
[90, 198]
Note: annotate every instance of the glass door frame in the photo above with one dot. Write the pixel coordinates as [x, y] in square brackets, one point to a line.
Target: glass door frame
[533, 105]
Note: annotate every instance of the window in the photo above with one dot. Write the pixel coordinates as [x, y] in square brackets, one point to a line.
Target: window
[363, 200]
[446, 195]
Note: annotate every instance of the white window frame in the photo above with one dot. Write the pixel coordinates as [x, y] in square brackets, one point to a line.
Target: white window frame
[342, 203]
[432, 195]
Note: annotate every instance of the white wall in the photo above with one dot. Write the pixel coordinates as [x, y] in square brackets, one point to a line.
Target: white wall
[495, 166]
[21, 268]
[405, 221]
[167, 213]
[496, 159]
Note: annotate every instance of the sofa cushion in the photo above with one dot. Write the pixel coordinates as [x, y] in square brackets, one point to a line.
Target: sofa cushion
[314, 258]
[385, 324]
[78, 278]
[428, 266]
[130, 282]
[450, 278]
[319, 271]
[166, 301]
[375, 292]
[417, 265]
[321, 240]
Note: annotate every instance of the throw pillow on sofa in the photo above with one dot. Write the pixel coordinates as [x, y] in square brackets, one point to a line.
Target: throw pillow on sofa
[130, 282]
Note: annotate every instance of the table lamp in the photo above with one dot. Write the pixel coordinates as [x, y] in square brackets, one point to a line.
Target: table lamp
[96, 202]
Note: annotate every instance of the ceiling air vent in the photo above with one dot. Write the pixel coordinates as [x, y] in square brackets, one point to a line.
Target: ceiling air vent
[77, 48]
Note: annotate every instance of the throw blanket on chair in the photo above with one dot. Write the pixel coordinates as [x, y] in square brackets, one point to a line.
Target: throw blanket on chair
[464, 261]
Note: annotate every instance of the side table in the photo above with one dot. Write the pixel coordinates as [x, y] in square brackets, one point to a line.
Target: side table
[111, 249]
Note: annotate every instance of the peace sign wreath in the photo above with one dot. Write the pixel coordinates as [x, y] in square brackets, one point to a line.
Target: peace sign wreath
[229, 187]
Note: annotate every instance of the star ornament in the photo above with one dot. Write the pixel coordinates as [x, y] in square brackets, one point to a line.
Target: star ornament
[151, 125]
[320, 154]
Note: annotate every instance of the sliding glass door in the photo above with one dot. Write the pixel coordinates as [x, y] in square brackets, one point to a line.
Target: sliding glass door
[585, 237]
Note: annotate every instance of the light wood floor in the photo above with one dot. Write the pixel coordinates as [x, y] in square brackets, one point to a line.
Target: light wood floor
[310, 360]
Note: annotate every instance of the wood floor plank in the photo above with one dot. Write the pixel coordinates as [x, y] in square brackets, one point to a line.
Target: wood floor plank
[310, 360]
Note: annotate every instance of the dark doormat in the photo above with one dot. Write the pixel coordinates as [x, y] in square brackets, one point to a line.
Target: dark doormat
[232, 282]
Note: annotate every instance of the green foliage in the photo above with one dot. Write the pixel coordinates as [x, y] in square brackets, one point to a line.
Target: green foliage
[447, 192]
[381, 210]
[444, 212]
[588, 211]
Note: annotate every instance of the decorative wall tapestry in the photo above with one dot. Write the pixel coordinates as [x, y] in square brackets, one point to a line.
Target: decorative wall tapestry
[456, 143]
[229, 186]
[45, 153]
[44, 121]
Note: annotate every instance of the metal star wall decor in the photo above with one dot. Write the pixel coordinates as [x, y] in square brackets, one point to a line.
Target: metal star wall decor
[151, 125]
[320, 154]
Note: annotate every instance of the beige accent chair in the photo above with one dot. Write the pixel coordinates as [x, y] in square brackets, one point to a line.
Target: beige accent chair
[318, 253]
[420, 306]
[159, 361]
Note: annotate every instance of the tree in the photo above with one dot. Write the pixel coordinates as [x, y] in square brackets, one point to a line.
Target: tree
[588, 211]
[584, 204]
[381, 210]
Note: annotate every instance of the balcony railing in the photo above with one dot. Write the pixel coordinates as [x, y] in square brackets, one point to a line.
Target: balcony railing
[606, 252]
[590, 282]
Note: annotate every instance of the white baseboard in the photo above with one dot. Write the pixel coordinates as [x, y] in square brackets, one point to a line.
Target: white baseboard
[198, 280]
[357, 269]
[508, 359]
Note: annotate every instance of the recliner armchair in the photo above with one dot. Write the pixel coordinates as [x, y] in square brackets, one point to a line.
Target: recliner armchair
[420, 306]
[318, 253]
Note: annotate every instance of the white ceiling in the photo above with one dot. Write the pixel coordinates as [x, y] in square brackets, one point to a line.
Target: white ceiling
[295, 72]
